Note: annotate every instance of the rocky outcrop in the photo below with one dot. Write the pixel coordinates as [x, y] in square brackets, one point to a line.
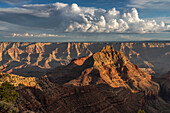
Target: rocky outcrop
[106, 81]
[17, 80]
[109, 67]
[53, 98]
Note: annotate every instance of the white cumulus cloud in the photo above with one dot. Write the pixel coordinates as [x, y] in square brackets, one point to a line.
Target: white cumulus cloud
[82, 19]
[72, 18]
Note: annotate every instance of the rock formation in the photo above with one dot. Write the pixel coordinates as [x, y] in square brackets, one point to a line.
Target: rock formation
[33, 59]
[105, 67]
[106, 81]
[53, 98]
[17, 80]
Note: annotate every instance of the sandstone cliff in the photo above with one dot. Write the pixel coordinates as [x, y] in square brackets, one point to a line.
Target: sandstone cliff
[106, 81]
[33, 59]
[105, 67]
[17, 80]
[53, 98]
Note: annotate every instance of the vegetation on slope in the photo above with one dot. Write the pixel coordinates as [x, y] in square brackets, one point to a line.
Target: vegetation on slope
[8, 97]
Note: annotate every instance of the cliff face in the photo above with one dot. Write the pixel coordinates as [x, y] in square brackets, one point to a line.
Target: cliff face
[35, 58]
[105, 67]
[164, 82]
[106, 81]
[53, 98]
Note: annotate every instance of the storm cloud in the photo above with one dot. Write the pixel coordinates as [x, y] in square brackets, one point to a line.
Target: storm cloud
[71, 18]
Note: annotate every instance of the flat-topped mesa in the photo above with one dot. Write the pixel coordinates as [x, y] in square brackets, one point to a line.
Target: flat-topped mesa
[105, 67]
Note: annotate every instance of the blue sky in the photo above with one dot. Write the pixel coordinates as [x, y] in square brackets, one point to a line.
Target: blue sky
[155, 8]
[37, 17]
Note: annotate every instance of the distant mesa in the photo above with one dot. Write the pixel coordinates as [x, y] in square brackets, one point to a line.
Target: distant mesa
[28, 58]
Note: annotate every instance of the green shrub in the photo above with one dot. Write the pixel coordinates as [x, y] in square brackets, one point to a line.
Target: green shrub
[141, 111]
[8, 93]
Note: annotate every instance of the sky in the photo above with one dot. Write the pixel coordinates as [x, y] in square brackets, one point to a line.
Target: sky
[84, 20]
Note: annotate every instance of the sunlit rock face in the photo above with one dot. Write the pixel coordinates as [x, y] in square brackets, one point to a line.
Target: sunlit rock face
[109, 67]
[34, 59]
[18, 81]
[105, 81]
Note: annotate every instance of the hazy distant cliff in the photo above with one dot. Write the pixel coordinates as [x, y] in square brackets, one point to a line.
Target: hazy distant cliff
[27, 58]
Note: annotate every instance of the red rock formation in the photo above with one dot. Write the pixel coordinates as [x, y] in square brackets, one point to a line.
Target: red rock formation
[53, 98]
[147, 55]
[104, 82]
[105, 67]
[47, 97]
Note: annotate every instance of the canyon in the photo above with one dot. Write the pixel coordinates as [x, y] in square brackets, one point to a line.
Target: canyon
[35, 58]
[104, 81]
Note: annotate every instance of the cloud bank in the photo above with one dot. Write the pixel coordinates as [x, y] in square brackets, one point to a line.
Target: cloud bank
[35, 35]
[150, 4]
[15, 2]
[72, 18]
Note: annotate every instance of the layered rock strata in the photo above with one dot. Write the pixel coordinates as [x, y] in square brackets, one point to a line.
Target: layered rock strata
[33, 59]
[106, 81]
[108, 66]
[53, 98]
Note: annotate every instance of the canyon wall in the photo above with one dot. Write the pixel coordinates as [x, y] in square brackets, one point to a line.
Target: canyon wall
[105, 81]
[34, 59]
